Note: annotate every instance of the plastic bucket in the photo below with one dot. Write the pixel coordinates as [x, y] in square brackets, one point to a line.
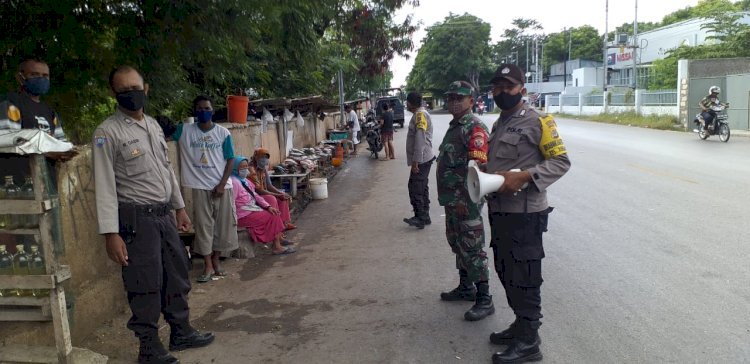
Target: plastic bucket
[319, 188]
[237, 109]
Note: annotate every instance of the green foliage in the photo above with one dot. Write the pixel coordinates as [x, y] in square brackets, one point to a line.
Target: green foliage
[455, 49]
[661, 122]
[732, 38]
[279, 48]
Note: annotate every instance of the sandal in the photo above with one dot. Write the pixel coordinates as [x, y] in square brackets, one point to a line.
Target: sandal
[286, 242]
[204, 278]
[220, 273]
[290, 226]
[288, 250]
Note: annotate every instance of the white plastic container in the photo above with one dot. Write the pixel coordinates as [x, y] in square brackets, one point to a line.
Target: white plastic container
[319, 188]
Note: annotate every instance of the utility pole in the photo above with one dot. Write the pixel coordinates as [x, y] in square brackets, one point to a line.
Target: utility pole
[527, 57]
[635, 48]
[606, 40]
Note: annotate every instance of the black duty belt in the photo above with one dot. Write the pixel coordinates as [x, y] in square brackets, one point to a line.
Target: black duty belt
[159, 209]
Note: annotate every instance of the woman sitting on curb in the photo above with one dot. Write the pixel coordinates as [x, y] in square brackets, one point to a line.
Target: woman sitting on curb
[262, 180]
[261, 220]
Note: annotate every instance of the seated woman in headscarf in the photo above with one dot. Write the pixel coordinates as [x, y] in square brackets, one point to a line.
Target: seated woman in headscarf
[261, 220]
[266, 189]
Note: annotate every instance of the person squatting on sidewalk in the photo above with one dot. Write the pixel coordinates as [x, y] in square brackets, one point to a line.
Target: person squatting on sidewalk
[465, 140]
[419, 158]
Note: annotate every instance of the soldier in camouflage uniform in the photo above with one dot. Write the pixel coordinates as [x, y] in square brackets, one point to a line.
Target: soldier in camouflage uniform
[465, 140]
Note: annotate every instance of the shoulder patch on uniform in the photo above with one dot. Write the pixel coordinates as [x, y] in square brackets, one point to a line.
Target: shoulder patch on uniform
[14, 114]
[421, 121]
[550, 145]
[100, 140]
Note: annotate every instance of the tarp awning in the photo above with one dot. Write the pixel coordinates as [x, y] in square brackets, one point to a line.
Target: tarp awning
[31, 141]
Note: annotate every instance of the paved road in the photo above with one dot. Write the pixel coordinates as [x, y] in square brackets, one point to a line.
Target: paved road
[646, 262]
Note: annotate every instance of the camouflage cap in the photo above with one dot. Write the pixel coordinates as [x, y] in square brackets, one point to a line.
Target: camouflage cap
[510, 72]
[460, 88]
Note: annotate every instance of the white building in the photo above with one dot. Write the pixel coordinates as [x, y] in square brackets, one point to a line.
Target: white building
[653, 45]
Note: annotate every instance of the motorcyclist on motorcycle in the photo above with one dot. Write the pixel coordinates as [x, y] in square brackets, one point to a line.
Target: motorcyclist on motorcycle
[708, 114]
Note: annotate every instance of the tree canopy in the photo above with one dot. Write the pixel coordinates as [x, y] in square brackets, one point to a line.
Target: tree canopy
[278, 48]
[454, 49]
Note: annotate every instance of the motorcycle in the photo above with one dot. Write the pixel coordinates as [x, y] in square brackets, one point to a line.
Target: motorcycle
[720, 125]
[371, 130]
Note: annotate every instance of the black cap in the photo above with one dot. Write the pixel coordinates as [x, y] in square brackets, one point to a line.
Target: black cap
[509, 72]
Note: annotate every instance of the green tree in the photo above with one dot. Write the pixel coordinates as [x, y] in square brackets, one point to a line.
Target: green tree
[455, 49]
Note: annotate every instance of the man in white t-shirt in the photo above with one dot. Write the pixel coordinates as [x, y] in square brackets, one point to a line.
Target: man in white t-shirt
[353, 122]
[206, 158]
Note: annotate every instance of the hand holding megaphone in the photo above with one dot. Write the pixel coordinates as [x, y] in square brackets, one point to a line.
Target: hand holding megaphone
[479, 183]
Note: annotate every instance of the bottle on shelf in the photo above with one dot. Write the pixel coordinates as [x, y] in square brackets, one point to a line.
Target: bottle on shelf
[27, 193]
[12, 192]
[21, 268]
[6, 268]
[4, 218]
[36, 267]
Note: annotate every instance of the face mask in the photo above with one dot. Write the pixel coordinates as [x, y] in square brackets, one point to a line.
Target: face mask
[263, 162]
[507, 101]
[203, 116]
[243, 173]
[132, 100]
[456, 107]
[36, 86]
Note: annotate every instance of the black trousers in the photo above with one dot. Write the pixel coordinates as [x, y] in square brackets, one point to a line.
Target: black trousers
[419, 192]
[156, 277]
[518, 252]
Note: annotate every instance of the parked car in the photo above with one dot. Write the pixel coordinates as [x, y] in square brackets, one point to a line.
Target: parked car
[395, 105]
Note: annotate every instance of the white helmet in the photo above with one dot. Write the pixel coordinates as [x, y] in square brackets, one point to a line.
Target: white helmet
[714, 89]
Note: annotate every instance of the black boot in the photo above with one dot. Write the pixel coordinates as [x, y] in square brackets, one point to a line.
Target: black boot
[152, 351]
[506, 336]
[524, 348]
[185, 337]
[425, 219]
[483, 306]
[464, 292]
[415, 221]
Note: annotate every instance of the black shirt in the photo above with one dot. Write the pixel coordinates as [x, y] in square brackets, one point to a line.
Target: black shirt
[387, 121]
[33, 114]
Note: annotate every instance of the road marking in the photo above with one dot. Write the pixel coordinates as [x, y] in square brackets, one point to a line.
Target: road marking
[662, 174]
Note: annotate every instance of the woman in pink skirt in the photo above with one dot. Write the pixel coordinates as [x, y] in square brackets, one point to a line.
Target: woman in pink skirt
[262, 221]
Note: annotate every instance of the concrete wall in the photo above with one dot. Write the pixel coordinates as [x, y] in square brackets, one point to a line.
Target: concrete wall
[95, 292]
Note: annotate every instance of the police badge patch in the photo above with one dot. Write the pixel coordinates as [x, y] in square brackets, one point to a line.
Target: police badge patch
[99, 140]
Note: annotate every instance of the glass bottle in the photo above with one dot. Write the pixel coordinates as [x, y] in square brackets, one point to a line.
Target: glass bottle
[4, 218]
[21, 268]
[36, 267]
[6, 268]
[12, 192]
[27, 193]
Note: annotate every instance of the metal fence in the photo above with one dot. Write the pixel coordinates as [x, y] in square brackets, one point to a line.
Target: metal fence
[621, 99]
[593, 100]
[570, 100]
[659, 98]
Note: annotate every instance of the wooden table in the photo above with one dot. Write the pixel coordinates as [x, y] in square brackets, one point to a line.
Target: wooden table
[294, 178]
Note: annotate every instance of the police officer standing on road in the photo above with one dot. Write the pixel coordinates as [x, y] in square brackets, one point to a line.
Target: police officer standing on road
[136, 190]
[419, 158]
[465, 140]
[528, 141]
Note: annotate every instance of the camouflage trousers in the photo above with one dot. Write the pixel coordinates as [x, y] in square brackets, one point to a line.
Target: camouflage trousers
[466, 238]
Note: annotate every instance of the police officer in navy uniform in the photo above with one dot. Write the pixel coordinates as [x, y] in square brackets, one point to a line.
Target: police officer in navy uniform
[527, 150]
[136, 191]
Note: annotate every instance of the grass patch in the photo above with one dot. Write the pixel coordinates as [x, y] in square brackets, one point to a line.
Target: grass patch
[662, 122]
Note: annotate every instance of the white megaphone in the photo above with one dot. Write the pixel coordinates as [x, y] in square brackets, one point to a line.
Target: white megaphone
[480, 183]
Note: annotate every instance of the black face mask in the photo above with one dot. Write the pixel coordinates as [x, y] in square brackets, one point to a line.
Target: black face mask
[507, 101]
[132, 100]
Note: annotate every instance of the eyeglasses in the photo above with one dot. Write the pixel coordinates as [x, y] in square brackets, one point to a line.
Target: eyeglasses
[455, 97]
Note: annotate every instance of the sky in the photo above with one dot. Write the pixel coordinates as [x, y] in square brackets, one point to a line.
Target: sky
[554, 15]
